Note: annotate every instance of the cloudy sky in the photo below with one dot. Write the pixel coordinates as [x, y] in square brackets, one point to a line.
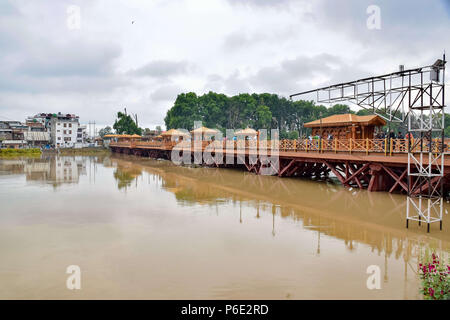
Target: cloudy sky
[94, 66]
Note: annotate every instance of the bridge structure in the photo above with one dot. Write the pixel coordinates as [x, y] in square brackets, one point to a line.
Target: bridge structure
[415, 99]
[372, 164]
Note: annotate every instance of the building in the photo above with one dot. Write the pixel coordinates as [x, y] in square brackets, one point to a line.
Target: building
[64, 130]
[149, 135]
[346, 126]
[43, 129]
[81, 134]
[37, 139]
[12, 134]
[40, 121]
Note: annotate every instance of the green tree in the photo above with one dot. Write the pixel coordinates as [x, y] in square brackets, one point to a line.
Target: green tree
[104, 131]
[263, 118]
[185, 111]
[124, 124]
[447, 125]
[339, 109]
[253, 110]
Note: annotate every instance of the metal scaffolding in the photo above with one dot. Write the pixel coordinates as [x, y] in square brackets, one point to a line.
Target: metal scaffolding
[415, 99]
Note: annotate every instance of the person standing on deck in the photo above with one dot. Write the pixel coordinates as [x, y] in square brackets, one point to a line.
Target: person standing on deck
[391, 137]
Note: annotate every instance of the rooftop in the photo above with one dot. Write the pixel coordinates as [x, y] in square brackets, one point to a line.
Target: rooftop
[346, 120]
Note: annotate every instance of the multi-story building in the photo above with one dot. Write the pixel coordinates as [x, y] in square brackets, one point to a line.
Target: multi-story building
[81, 134]
[64, 130]
[12, 134]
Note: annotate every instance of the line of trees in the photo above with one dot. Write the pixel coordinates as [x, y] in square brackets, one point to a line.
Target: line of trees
[125, 124]
[258, 111]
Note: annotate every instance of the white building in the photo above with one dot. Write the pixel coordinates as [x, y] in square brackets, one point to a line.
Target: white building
[81, 134]
[64, 130]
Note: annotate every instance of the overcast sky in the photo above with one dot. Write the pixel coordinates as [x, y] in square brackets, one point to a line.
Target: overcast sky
[50, 63]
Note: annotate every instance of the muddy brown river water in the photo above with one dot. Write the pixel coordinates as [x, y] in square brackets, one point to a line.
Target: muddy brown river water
[147, 229]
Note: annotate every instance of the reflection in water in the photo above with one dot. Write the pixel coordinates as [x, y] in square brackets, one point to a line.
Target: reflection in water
[293, 238]
[322, 207]
[54, 170]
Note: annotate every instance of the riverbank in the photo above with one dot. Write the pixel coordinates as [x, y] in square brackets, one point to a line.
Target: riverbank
[91, 151]
[20, 152]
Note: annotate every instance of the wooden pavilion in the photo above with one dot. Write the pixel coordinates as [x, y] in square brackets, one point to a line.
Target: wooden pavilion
[204, 132]
[247, 134]
[167, 135]
[346, 126]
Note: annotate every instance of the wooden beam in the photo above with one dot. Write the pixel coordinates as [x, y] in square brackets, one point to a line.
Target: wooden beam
[286, 168]
[356, 173]
[294, 169]
[337, 174]
[399, 179]
[395, 177]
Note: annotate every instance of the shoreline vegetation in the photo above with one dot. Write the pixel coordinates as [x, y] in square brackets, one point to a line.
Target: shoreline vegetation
[20, 152]
[89, 151]
[36, 152]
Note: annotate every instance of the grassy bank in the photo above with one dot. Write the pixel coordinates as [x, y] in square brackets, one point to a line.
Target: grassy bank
[80, 151]
[20, 152]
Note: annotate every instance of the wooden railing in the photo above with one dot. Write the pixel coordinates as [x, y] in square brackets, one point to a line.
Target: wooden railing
[386, 146]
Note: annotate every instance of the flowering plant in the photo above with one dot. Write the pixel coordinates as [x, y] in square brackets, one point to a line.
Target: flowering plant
[435, 279]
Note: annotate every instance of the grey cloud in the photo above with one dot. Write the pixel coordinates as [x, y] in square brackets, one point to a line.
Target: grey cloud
[71, 59]
[161, 69]
[291, 74]
[239, 39]
[7, 9]
[262, 3]
[233, 84]
[166, 93]
[36, 59]
[407, 26]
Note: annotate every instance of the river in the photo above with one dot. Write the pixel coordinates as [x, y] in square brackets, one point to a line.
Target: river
[140, 228]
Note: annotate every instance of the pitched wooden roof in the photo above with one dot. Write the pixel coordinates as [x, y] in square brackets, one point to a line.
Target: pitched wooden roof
[174, 132]
[246, 132]
[338, 120]
[204, 130]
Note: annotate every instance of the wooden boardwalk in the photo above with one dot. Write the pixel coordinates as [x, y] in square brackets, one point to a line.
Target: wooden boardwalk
[376, 165]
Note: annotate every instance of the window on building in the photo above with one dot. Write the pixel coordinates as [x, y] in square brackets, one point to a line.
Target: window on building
[65, 125]
[70, 131]
[70, 125]
[59, 138]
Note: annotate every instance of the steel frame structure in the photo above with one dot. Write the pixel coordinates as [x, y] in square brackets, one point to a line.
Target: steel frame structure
[414, 98]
